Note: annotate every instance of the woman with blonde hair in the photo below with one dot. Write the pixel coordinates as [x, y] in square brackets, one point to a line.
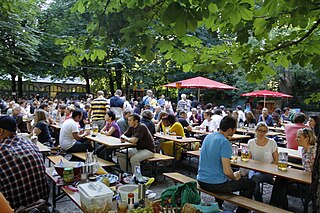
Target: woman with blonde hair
[307, 139]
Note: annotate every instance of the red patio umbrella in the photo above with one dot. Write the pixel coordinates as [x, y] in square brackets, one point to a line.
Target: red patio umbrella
[266, 93]
[199, 83]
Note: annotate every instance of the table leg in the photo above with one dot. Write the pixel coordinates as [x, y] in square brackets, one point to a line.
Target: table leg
[127, 159]
[54, 201]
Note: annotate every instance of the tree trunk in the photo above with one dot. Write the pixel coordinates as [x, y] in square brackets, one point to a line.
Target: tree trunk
[13, 84]
[111, 85]
[20, 90]
[119, 76]
[86, 78]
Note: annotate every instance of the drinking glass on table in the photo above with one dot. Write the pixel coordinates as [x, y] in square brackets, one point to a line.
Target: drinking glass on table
[87, 127]
[244, 153]
[234, 155]
[283, 161]
[95, 128]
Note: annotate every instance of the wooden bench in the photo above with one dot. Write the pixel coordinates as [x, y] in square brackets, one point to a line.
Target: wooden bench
[56, 159]
[100, 161]
[229, 197]
[155, 160]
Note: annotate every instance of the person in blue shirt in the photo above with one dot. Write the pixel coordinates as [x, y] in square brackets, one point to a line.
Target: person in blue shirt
[266, 117]
[215, 173]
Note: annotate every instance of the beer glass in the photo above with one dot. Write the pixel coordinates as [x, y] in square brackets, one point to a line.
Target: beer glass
[95, 129]
[244, 153]
[234, 155]
[283, 161]
[87, 127]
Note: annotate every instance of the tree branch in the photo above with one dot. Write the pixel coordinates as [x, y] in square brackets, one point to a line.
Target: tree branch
[104, 11]
[285, 45]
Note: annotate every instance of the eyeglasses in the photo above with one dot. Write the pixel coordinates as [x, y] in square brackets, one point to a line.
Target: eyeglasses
[262, 131]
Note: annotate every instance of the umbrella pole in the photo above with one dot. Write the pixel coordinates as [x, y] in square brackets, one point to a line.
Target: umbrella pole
[264, 101]
[198, 95]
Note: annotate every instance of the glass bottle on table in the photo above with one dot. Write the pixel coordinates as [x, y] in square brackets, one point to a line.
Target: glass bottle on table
[234, 155]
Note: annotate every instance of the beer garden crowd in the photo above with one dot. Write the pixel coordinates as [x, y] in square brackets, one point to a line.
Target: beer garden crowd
[23, 179]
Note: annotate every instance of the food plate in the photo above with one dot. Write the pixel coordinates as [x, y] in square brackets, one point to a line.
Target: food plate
[112, 178]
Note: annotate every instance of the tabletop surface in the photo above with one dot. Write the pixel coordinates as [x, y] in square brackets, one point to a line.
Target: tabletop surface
[109, 141]
[176, 139]
[291, 174]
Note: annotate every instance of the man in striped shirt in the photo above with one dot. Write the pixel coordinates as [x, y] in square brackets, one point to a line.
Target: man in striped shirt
[99, 109]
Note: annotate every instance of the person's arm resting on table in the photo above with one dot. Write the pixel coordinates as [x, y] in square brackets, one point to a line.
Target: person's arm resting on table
[132, 140]
[228, 171]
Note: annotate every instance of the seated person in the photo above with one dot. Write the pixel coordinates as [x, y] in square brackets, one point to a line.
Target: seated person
[215, 173]
[70, 135]
[216, 119]
[147, 120]
[41, 127]
[23, 173]
[195, 117]
[137, 134]
[207, 115]
[250, 120]
[123, 121]
[175, 128]
[265, 117]
[18, 116]
[110, 129]
[291, 130]
[307, 139]
[263, 149]
[185, 123]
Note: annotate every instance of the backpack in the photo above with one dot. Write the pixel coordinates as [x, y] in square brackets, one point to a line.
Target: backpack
[40, 206]
[180, 194]
[116, 101]
[144, 101]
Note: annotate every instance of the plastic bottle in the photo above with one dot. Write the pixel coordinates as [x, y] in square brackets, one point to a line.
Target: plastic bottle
[130, 201]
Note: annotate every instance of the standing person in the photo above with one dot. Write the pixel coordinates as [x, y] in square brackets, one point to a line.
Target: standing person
[140, 135]
[70, 135]
[292, 129]
[184, 103]
[265, 117]
[162, 101]
[262, 149]
[117, 104]
[146, 99]
[215, 173]
[99, 109]
[23, 173]
[123, 121]
[241, 115]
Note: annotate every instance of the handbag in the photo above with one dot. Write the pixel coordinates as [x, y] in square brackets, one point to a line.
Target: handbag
[40, 206]
[180, 194]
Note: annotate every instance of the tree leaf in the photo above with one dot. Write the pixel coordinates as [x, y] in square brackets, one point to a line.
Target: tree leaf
[81, 7]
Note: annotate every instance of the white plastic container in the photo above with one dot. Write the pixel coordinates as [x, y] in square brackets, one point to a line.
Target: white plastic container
[95, 197]
[126, 189]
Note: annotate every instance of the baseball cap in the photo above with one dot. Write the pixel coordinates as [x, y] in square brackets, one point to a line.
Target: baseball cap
[8, 123]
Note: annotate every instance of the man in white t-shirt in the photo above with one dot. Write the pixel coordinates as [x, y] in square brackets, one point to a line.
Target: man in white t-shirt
[70, 135]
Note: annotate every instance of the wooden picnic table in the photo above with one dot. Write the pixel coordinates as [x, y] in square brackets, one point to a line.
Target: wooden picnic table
[290, 174]
[246, 130]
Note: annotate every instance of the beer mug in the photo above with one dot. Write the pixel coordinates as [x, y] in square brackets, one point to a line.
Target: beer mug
[234, 155]
[283, 161]
[244, 153]
[95, 128]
